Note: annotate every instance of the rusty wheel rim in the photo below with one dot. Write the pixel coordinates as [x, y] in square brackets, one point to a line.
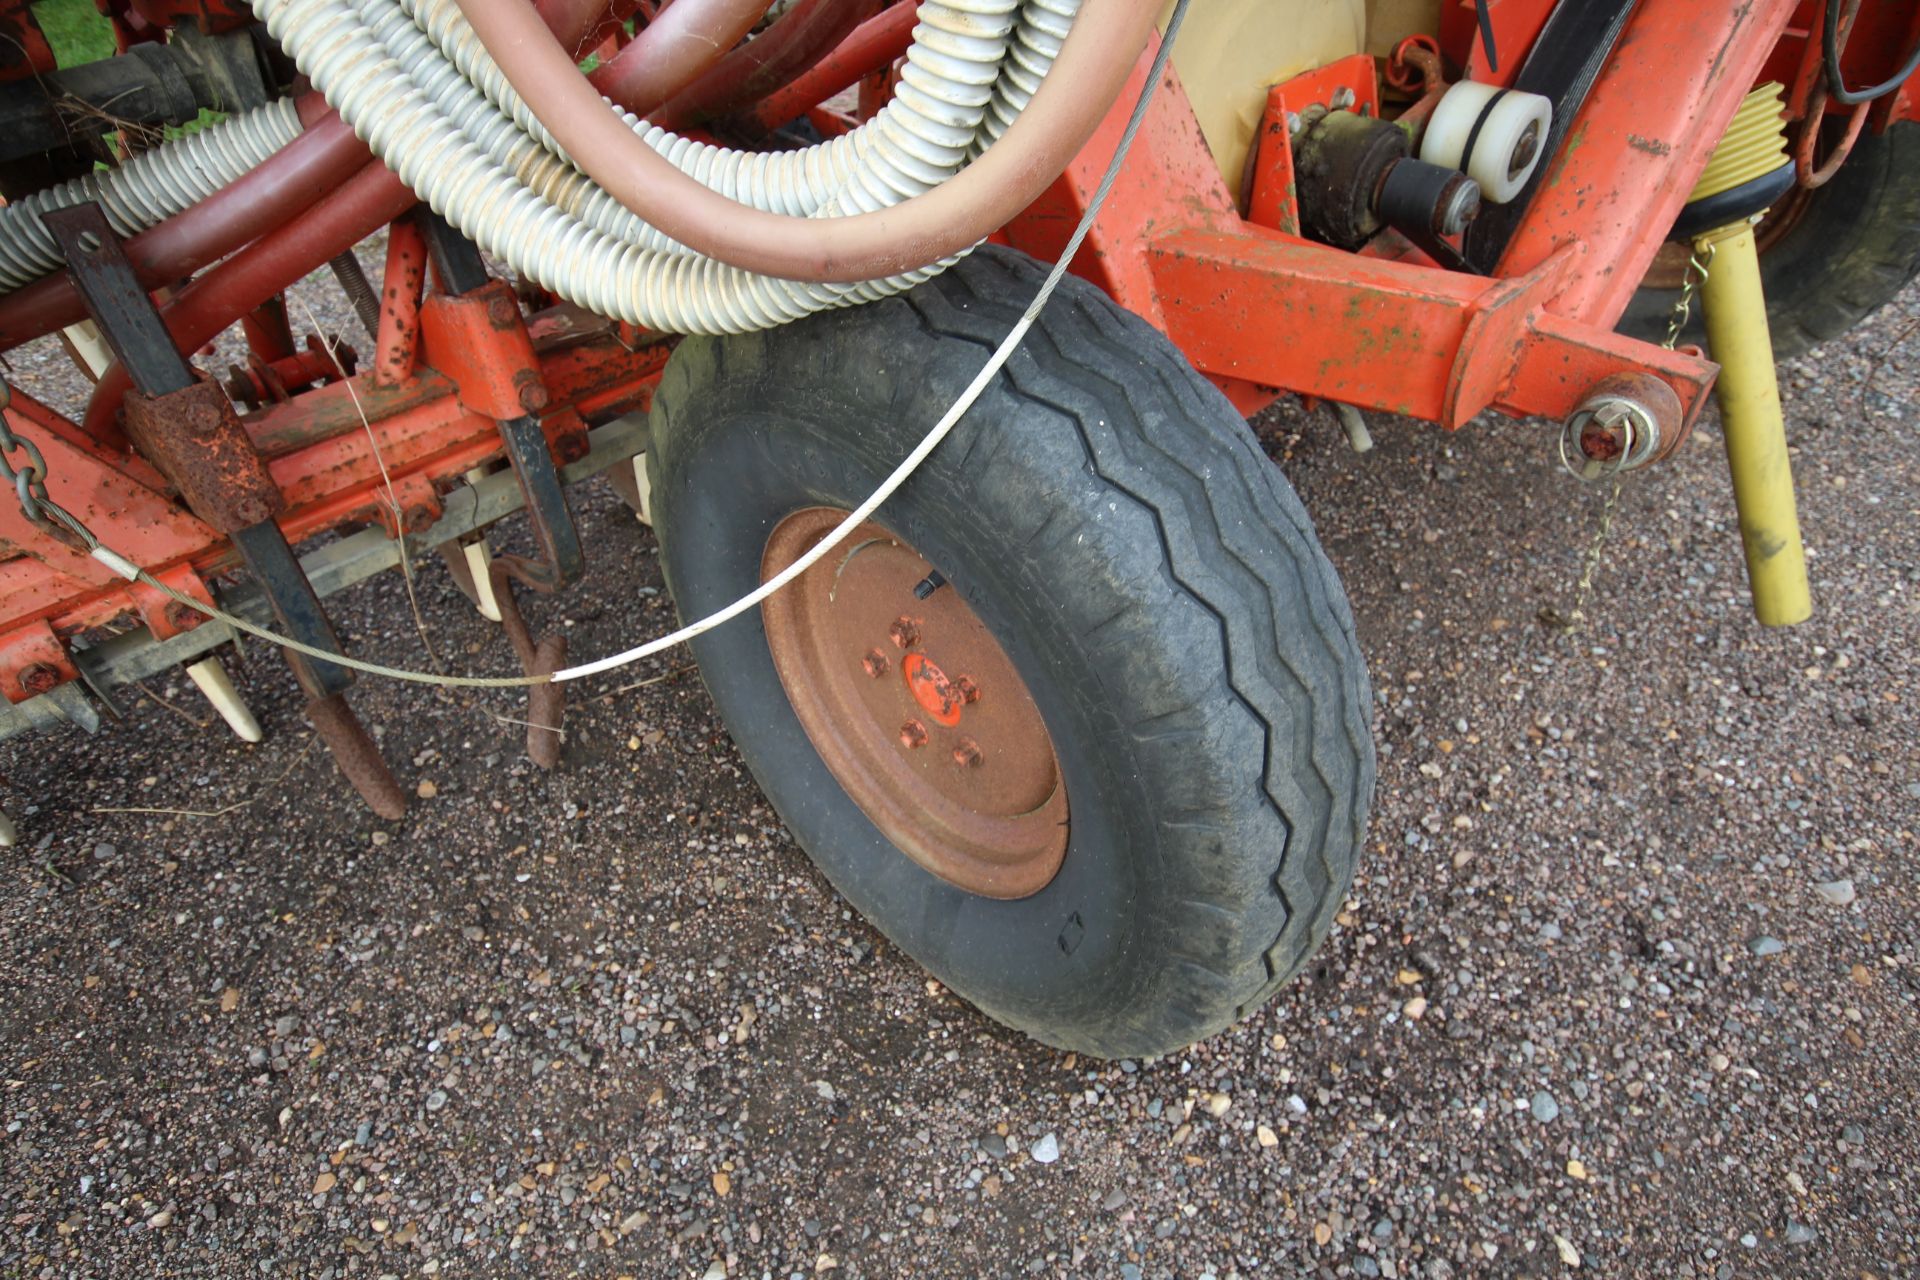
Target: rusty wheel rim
[915, 709]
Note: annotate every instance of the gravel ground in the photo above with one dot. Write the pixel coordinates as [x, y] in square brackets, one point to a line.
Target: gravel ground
[1627, 983]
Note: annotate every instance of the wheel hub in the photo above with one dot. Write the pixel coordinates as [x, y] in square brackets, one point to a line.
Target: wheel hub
[915, 708]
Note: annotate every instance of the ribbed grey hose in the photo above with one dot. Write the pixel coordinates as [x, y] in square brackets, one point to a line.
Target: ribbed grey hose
[146, 190]
[453, 156]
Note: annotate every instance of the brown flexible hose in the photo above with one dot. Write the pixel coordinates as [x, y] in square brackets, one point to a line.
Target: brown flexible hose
[666, 55]
[1101, 49]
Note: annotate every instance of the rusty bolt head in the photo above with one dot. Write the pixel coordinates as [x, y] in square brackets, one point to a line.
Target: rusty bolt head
[905, 632]
[968, 689]
[875, 663]
[419, 518]
[913, 734]
[251, 510]
[571, 448]
[502, 311]
[967, 754]
[39, 677]
[533, 396]
[182, 617]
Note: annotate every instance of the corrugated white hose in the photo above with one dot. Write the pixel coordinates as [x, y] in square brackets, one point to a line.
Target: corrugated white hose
[931, 441]
[390, 102]
[918, 140]
[148, 189]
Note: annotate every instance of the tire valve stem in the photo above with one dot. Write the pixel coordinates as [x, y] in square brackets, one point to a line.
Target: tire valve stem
[929, 584]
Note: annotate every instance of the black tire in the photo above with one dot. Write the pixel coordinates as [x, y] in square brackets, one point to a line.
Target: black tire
[1153, 578]
[1849, 251]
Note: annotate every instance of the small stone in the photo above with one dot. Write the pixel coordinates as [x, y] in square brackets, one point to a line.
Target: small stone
[1568, 1254]
[1800, 1233]
[1766, 946]
[1576, 1169]
[994, 1145]
[722, 1185]
[1414, 1009]
[437, 1099]
[717, 1270]
[825, 1090]
[160, 1219]
[1218, 1104]
[1544, 1108]
[1409, 977]
[286, 1026]
[1322, 1233]
[324, 1183]
[1750, 1241]
[427, 789]
[1266, 1136]
[1114, 1201]
[1045, 1151]
[1838, 892]
[1719, 1061]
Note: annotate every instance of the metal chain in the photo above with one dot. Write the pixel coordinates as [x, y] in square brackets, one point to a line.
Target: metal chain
[1677, 317]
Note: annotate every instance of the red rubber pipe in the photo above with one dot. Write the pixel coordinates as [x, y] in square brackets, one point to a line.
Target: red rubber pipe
[808, 32]
[367, 200]
[875, 45]
[371, 199]
[687, 38]
[294, 178]
[1099, 52]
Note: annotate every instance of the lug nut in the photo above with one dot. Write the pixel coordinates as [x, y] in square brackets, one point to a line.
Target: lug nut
[969, 691]
[967, 754]
[913, 734]
[905, 632]
[875, 663]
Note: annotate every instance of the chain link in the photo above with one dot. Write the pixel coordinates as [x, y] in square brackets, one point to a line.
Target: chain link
[1677, 317]
[30, 483]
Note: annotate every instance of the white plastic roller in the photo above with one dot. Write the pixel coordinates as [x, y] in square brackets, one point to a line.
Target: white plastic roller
[1495, 136]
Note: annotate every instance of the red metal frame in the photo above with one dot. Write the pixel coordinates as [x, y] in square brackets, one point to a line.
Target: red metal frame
[1223, 272]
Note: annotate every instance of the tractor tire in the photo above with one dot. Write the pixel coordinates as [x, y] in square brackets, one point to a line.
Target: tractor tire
[1845, 250]
[1141, 575]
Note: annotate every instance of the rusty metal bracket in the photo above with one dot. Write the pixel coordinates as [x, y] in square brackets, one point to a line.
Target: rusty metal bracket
[463, 273]
[188, 429]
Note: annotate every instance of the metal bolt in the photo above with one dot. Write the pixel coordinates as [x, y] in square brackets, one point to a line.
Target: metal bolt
[39, 677]
[182, 617]
[875, 663]
[1343, 98]
[533, 396]
[905, 632]
[419, 518]
[913, 734]
[967, 754]
[968, 689]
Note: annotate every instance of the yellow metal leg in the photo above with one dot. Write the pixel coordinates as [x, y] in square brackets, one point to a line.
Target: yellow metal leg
[1749, 393]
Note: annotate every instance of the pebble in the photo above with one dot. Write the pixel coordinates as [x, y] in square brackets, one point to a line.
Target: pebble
[994, 1145]
[1544, 1108]
[1045, 1151]
[436, 1100]
[1800, 1233]
[1766, 946]
[1838, 892]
